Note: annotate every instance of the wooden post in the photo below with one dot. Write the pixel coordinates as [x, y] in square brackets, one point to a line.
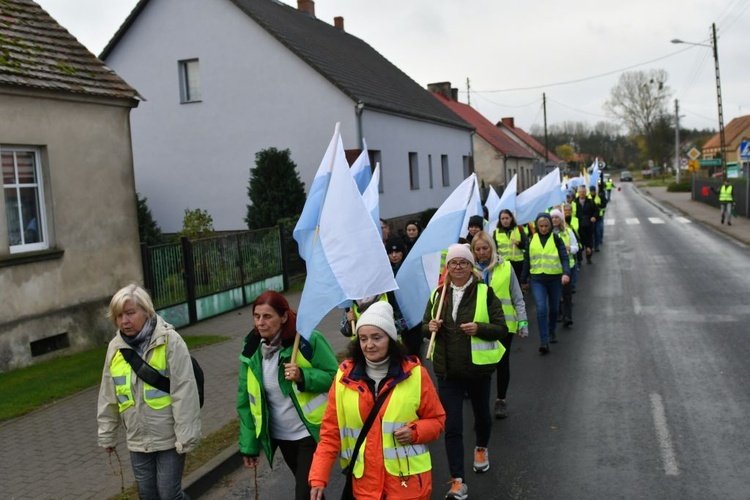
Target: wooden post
[431, 345]
[295, 349]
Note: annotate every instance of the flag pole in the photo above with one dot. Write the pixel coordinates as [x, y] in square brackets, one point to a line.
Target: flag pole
[431, 345]
[295, 348]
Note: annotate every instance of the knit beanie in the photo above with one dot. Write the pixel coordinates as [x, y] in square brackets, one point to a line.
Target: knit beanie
[379, 314]
[459, 251]
[544, 215]
[556, 212]
[476, 221]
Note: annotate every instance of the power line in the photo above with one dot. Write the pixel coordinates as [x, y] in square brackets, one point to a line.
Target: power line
[579, 80]
[576, 109]
[535, 101]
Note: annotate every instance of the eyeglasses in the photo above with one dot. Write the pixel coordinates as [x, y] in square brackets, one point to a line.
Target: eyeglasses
[461, 264]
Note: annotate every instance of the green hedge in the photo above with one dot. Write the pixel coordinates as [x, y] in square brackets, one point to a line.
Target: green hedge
[682, 187]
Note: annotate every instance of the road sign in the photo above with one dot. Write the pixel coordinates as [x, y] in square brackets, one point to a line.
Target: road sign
[711, 162]
[745, 150]
[693, 165]
[694, 154]
[683, 162]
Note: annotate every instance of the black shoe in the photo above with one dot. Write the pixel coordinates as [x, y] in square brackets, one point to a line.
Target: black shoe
[568, 323]
[553, 339]
[596, 250]
[501, 410]
[722, 219]
[729, 223]
[544, 348]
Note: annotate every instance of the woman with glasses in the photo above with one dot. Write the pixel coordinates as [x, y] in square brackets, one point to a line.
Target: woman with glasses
[547, 269]
[468, 328]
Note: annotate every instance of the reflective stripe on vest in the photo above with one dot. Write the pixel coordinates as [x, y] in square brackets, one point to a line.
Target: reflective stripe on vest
[401, 410]
[506, 248]
[544, 259]
[500, 284]
[312, 404]
[484, 352]
[725, 193]
[121, 372]
[565, 237]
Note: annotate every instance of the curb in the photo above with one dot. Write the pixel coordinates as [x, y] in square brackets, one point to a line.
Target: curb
[208, 475]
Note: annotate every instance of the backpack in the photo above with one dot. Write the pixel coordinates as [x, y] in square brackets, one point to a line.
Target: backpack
[148, 374]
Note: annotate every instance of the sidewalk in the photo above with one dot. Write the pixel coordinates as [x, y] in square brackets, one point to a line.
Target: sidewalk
[52, 452]
[700, 212]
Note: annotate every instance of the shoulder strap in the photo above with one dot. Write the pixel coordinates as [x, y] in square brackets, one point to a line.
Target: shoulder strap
[145, 371]
[366, 428]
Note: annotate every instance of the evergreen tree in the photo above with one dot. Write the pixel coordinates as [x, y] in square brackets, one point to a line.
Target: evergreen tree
[275, 189]
[148, 229]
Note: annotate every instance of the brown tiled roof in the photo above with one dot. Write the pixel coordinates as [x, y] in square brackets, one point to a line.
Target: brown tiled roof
[36, 52]
[530, 141]
[732, 133]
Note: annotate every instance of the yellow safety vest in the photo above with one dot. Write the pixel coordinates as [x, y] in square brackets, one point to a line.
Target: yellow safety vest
[598, 201]
[608, 185]
[311, 404]
[122, 375]
[573, 222]
[725, 194]
[500, 283]
[506, 249]
[565, 237]
[483, 352]
[544, 259]
[402, 410]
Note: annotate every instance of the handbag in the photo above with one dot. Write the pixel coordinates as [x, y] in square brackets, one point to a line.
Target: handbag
[348, 492]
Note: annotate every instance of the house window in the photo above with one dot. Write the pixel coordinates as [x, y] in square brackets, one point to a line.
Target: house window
[24, 199]
[444, 167]
[429, 169]
[190, 81]
[413, 171]
[468, 166]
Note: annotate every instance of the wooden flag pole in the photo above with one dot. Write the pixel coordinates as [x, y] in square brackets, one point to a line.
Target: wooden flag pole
[431, 345]
[295, 349]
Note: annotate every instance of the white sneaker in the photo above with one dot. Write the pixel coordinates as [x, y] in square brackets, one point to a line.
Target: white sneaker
[481, 459]
[458, 491]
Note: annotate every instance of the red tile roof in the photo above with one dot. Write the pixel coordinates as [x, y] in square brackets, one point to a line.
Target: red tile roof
[486, 129]
[36, 52]
[530, 141]
[732, 133]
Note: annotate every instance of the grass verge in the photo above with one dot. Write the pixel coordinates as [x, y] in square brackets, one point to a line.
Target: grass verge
[26, 389]
[208, 448]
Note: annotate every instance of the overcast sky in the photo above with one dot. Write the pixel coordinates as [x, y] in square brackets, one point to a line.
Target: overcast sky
[537, 46]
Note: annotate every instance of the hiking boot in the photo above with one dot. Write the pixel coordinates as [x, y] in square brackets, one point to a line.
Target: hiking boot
[500, 409]
[458, 491]
[481, 459]
[544, 348]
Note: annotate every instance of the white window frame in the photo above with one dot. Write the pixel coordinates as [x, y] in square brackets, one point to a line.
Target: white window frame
[190, 80]
[43, 244]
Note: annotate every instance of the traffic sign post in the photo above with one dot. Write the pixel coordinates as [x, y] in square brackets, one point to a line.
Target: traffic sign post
[745, 150]
[694, 154]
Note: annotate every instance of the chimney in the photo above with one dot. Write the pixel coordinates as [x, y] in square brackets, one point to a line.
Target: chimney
[508, 122]
[454, 94]
[338, 22]
[442, 88]
[306, 6]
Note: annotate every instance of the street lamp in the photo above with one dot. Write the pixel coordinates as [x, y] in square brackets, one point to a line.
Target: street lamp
[718, 93]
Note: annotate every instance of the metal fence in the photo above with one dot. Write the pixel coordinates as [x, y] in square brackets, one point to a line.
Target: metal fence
[703, 191]
[193, 280]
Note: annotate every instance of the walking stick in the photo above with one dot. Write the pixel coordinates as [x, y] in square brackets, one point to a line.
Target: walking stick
[431, 345]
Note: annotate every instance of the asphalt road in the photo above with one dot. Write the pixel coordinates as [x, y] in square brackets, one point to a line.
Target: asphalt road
[646, 396]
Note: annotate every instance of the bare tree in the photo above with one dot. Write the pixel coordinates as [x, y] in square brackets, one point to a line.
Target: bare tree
[639, 101]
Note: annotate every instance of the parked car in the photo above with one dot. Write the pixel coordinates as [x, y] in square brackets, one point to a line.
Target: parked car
[626, 176]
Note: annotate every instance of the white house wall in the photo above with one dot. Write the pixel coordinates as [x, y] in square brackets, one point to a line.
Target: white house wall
[395, 137]
[256, 94]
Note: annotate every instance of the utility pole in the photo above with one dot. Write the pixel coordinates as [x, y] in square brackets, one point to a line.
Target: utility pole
[544, 105]
[721, 109]
[677, 140]
[468, 91]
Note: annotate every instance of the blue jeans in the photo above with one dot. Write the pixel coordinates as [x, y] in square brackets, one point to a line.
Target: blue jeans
[546, 292]
[451, 394]
[599, 232]
[159, 474]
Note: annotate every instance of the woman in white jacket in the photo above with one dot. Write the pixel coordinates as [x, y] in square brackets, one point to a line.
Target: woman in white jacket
[160, 427]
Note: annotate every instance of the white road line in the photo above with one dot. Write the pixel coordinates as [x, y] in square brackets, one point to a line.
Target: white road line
[683, 220]
[632, 221]
[609, 222]
[655, 220]
[663, 437]
[636, 305]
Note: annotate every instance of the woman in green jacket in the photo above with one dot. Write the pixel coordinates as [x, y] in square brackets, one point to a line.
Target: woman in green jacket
[281, 401]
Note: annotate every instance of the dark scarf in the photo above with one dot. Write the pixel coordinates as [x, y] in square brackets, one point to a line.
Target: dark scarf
[270, 347]
[139, 342]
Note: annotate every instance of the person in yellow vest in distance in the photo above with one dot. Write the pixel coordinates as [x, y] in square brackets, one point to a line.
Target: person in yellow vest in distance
[393, 461]
[468, 331]
[547, 270]
[281, 401]
[726, 201]
[499, 275]
[160, 427]
[511, 240]
[608, 186]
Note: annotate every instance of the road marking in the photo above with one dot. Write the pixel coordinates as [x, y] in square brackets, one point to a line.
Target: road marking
[663, 437]
[609, 222]
[632, 221]
[655, 220]
[683, 220]
[636, 305]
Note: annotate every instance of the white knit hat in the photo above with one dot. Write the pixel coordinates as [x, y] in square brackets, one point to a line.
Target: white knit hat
[459, 251]
[379, 314]
[556, 212]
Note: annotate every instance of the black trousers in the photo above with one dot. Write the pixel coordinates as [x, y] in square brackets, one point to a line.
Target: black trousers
[503, 368]
[298, 455]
